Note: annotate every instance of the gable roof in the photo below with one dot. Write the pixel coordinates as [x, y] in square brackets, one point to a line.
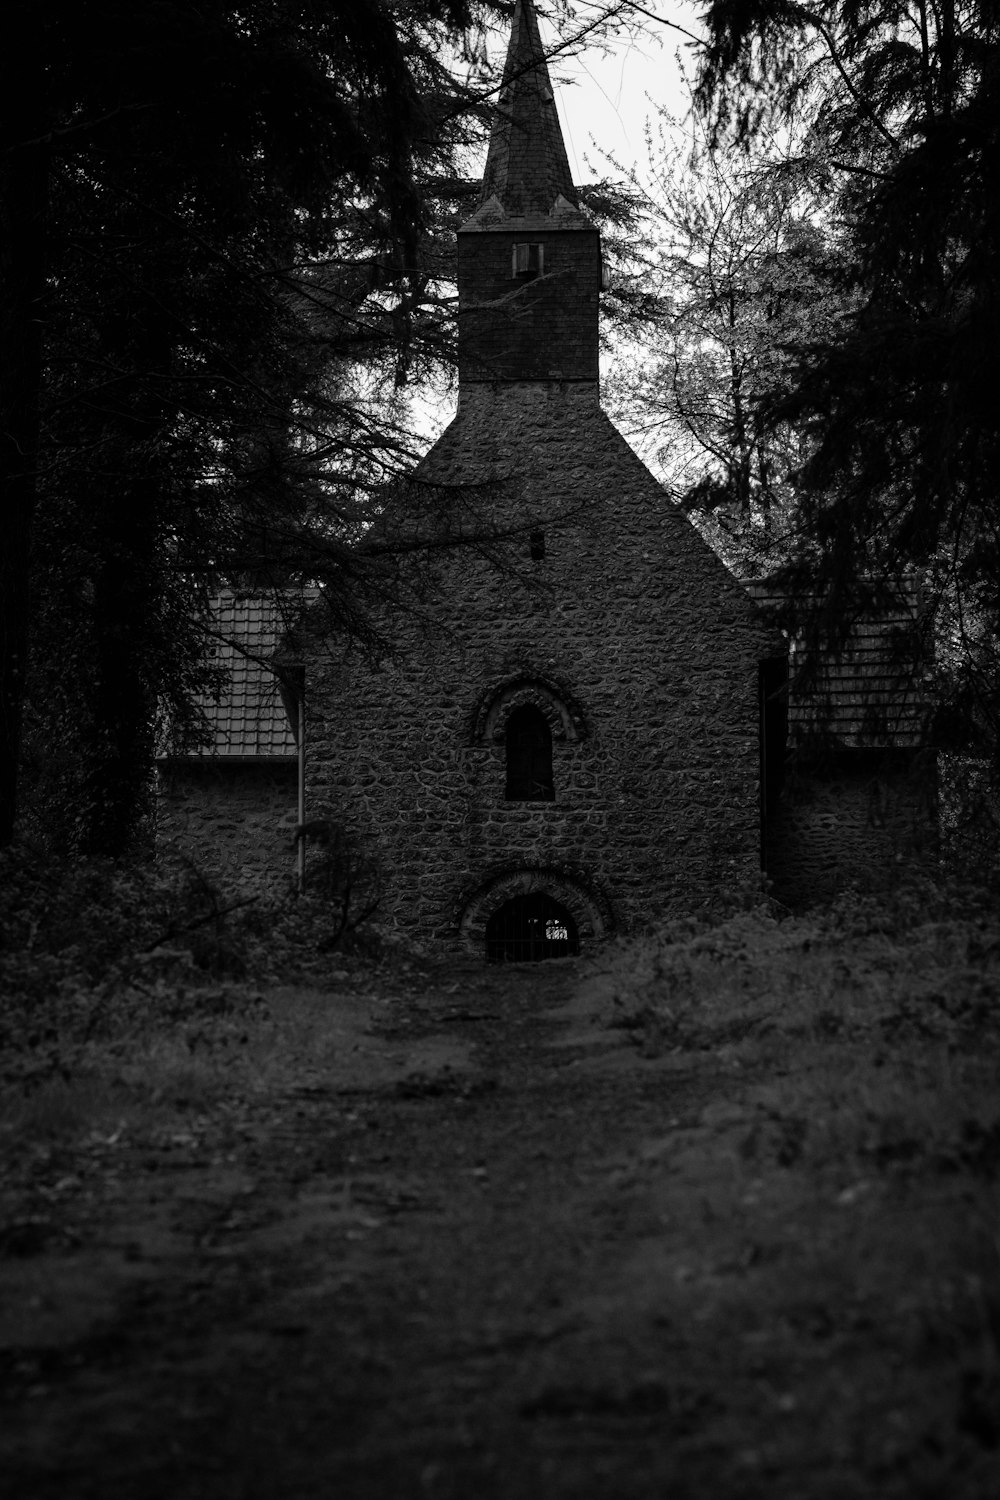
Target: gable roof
[249, 720]
[520, 458]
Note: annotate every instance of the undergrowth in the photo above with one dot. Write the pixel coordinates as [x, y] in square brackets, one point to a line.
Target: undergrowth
[850, 1061]
[876, 1024]
[141, 982]
[141, 979]
[858, 1053]
[924, 962]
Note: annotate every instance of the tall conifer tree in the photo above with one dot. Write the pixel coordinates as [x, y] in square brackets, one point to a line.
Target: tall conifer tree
[904, 472]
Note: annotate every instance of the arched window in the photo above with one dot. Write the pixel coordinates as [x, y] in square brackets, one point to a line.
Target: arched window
[529, 928]
[529, 757]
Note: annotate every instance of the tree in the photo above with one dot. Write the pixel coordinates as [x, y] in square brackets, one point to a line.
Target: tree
[227, 224]
[739, 268]
[24, 150]
[200, 201]
[904, 469]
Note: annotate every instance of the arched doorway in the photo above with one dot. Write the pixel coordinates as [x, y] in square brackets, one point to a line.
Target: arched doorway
[529, 928]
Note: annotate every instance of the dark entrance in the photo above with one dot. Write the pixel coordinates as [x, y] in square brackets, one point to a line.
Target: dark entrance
[529, 928]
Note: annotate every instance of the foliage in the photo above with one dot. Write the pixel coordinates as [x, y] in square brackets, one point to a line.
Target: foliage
[969, 817]
[923, 960]
[343, 881]
[904, 461]
[234, 215]
[740, 267]
[86, 922]
[95, 952]
[244, 219]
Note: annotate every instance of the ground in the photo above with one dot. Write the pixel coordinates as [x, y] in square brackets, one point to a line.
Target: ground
[490, 1237]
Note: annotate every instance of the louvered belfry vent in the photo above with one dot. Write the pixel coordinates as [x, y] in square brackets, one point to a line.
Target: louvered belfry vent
[527, 259]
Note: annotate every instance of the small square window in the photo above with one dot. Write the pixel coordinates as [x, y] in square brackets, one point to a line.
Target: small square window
[527, 260]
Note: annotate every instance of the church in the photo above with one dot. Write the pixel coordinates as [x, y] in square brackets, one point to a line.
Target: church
[566, 742]
[577, 725]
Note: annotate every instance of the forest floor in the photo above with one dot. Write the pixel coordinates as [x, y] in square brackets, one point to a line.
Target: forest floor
[463, 1232]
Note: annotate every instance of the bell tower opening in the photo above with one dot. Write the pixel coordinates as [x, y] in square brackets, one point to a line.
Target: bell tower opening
[530, 928]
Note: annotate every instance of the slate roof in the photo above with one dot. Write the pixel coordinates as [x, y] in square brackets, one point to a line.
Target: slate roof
[527, 175]
[867, 693]
[249, 721]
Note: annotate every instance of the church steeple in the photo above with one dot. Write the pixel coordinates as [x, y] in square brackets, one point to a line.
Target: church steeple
[527, 168]
[529, 259]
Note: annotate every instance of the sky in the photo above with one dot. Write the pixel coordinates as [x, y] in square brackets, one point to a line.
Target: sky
[607, 96]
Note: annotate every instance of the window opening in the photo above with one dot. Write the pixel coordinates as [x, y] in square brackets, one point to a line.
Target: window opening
[537, 546]
[528, 929]
[529, 757]
[527, 260]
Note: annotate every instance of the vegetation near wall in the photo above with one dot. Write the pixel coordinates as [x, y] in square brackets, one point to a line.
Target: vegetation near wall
[103, 966]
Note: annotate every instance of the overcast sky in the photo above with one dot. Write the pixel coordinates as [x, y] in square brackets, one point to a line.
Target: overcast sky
[609, 96]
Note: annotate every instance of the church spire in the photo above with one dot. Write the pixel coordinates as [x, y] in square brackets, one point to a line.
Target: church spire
[527, 169]
[529, 259]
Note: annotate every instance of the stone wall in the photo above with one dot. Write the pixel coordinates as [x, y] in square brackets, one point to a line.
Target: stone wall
[643, 643]
[517, 329]
[856, 820]
[235, 820]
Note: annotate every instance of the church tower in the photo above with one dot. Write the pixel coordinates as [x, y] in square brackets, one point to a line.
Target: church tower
[563, 739]
[529, 261]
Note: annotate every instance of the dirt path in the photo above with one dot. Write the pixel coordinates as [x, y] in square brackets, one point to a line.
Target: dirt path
[494, 1252]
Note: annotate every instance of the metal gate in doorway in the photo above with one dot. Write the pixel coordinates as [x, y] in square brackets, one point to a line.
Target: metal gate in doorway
[527, 929]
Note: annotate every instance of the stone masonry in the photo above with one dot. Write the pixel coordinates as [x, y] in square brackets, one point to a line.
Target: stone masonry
[632, 636]
[234, 822]
[577, 590]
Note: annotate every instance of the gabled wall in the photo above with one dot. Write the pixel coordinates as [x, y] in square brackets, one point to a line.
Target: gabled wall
[630, 622]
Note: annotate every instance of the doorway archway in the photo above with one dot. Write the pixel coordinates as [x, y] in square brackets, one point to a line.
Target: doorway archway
[529, 928]
[564, 894]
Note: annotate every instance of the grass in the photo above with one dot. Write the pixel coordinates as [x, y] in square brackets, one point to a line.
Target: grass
[136, 989]
[880, 1022]
[882, 1037]
[854, 1154]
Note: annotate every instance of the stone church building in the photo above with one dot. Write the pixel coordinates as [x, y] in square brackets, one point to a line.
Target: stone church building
[568, 742]
[566, 736]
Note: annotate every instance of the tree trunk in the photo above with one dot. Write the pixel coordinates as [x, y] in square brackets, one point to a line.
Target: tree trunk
[127, 586]
[23, 210]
